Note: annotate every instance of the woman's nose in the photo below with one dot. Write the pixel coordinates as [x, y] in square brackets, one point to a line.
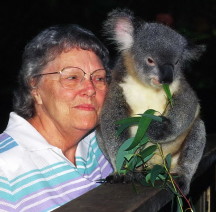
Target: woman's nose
[88, 87]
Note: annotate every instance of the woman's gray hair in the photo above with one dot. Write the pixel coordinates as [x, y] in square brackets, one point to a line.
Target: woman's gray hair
[45, 47]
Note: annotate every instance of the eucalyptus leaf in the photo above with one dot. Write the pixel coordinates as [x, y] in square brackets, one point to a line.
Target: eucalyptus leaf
[132, 164]
[125, 123]
[168, 93]
[133, 153]
[144, 141]
[122, 127]
[155, 171]
[162, 176]
[141, 161]
[130, 120]
[153, 117]
[129, 156]
[142, 128]
[148, 151]
[148, 177]
[147, 158]
[145, 155]
[120, 157]
[168, 160]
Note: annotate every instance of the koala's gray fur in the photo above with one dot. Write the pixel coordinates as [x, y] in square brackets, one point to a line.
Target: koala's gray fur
[151, 54]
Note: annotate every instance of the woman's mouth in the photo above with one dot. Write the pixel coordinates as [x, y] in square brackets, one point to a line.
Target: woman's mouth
[87, 107]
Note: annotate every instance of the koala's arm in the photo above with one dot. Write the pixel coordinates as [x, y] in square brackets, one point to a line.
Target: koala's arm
[177, 118]
[191, 154]
[115, 109]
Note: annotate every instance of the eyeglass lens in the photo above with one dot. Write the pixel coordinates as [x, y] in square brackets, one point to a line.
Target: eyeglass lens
[72, 77]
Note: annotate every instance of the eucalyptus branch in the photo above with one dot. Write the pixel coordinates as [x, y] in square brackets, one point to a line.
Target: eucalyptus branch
[170, 176]
[185, 198]
[135, 153]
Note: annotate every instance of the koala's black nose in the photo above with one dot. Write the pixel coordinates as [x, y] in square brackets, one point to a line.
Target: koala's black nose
[166, 73]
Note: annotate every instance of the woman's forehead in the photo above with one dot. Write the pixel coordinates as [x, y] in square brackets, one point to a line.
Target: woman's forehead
[83, 59]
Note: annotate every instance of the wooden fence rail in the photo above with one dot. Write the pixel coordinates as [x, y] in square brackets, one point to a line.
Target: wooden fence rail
[123, 198]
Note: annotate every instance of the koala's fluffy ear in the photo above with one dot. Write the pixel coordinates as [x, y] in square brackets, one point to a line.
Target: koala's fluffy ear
[193, 52]
[119, 28]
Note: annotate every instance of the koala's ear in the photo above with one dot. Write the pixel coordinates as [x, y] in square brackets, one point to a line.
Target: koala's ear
[193, 52]
[119, 28]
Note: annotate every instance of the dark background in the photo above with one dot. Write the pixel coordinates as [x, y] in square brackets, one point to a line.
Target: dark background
[20, 21]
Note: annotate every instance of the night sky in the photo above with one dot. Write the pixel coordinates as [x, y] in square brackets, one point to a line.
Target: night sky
[20, 21]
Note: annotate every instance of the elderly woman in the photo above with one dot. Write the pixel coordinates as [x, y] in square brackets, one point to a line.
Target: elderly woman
[48, 153]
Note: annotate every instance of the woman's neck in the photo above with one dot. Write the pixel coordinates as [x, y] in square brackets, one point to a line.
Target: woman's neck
[56, 136]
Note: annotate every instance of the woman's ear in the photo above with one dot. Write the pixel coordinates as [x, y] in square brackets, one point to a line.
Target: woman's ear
[35, 92]
[36, 95]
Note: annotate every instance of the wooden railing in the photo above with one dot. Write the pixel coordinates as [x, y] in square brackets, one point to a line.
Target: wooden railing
[123, 198]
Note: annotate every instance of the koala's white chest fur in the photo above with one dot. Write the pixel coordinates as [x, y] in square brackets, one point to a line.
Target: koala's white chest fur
[141, 98]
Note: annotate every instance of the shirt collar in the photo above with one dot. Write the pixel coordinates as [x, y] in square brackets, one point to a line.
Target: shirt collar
[29, 138]
[25, 134]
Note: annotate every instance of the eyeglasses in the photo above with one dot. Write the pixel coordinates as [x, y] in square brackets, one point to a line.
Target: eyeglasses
[71, 77]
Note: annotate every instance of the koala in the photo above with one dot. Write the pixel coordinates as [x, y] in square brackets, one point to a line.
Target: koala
[151, 54]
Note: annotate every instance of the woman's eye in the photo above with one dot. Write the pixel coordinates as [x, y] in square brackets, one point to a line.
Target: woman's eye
[72, 77]
[100, 79]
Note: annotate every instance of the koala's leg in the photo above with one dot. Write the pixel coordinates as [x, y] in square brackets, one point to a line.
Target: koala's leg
[190, 155]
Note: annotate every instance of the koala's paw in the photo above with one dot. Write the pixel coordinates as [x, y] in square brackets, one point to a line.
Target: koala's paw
[183, 184]
[159, 130]
[124, 178]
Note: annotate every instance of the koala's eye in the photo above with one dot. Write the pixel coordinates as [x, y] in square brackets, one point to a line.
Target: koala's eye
[150, 61]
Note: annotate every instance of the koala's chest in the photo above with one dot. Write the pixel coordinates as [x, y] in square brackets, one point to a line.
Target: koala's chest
[141, 98]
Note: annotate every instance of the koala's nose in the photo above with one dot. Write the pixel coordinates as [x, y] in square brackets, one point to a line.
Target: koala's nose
[166, 73]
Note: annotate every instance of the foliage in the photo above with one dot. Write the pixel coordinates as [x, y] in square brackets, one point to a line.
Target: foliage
[136, 151]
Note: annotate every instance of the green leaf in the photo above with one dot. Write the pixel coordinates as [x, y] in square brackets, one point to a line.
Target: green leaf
[168, 160]
[148, 177]
[125, 123]
[145, 155]
[142, 161]
[121, 128]
[155, 171]
[148, 151]
[132, 164]
[129, 156]
[130, 120]
[120, 157]
[147, 158]
[163, 176]
[144, 141]
[153, 117]
[168, 93]
[142, 128]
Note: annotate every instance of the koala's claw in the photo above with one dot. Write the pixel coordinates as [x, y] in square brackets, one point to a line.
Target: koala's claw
[124, 178]
[118, 178]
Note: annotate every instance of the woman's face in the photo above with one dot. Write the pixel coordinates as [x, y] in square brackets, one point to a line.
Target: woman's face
[67, 108]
